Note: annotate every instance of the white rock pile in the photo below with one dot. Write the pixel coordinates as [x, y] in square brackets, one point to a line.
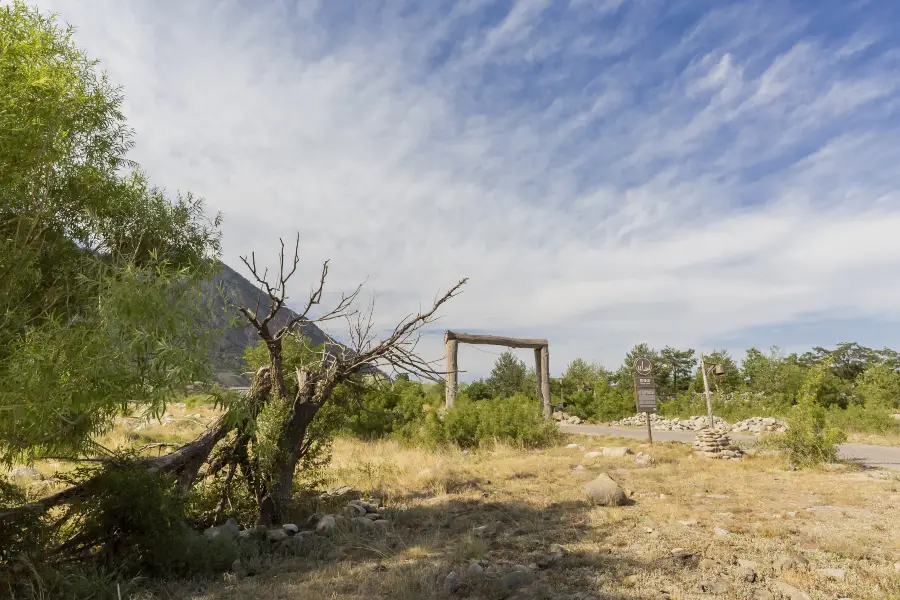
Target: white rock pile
[658, 423]
[563, 417]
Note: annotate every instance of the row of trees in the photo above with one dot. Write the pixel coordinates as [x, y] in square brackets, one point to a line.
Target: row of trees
[852, 375]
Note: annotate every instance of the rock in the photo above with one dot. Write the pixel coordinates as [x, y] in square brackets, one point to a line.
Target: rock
[746, 574]
[682, 553]
[689, 523]
[790, 591]
[276, 535]
[381, 523]
[290, 529]
[314, 519]
[643, 460]
[593, 454]
[707, 563]
[452, 582]
[555, 554]
[25, 473]
[230, 530]
[897, 567]
[355, 510]
[363, 523]
[326, 525]
[616, 452]
[747, 564]
[713, 587]
[791, 561]
[373, 516]
[604, 491]
[476, 570]
[720, 531]
[763, 595]
[838, 574]
[518, 577]
[571, 446]
[578, 468]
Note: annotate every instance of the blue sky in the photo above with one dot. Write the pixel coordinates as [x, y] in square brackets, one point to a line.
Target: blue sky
[705, 174]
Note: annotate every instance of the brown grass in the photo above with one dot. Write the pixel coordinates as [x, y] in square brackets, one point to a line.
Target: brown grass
[534, 499]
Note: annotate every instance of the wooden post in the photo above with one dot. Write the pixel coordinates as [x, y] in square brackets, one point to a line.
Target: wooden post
[545, 380]
[649, 431]
[451, 346]
[540, 373]
[709, 409]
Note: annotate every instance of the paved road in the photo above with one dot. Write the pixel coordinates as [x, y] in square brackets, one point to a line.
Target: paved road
[887, 457]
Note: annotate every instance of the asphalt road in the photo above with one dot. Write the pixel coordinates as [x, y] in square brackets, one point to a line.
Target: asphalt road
[887, 457]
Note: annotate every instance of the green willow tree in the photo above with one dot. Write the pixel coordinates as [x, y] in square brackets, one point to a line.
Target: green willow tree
[99, 308]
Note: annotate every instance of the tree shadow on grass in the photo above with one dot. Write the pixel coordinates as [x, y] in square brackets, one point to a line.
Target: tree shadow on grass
[410, 558]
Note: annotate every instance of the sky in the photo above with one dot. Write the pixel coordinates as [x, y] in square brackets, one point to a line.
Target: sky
[701, 174]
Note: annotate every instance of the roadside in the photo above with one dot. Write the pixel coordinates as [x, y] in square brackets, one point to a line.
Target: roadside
[870, 455]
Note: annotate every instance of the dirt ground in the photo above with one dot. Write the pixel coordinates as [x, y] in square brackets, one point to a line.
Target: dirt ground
[507, 509]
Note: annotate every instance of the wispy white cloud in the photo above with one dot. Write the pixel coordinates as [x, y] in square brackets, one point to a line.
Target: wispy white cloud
[603, 177]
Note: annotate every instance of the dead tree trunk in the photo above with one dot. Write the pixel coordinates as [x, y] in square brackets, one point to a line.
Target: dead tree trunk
[452, 349]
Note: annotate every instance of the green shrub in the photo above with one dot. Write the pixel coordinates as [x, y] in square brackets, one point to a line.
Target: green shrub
[809, 440]
[864, 419]
[517, 421]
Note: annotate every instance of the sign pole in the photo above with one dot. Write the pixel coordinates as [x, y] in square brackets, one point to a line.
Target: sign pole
[645, 391]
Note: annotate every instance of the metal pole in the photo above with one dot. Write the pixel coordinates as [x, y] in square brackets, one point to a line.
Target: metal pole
[649, 432]
[709, 409]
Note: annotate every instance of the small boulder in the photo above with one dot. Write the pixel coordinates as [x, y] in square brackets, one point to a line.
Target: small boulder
[747, 564]
[746, 574]
[720, 531]
[713, 587]
[616, 452]
[230, 530]
[363, 523]
[476, 571]
[643, 460]
[381, 523]
[593, 454]
[452, 582]
[707, 563]
[355, 510]
[604, 491]
[290, 529]
[276, 535]
[520, 576]
[763, 595]
[571, 446]
[790, 592]
[326, 525]
[682, 553]
[791, 561]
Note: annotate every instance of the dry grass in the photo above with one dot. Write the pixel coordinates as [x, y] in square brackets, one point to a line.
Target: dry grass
[534, 499]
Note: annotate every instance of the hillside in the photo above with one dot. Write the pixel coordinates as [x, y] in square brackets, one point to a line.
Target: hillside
[227, 353]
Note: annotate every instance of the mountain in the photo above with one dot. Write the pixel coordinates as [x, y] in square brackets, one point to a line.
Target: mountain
[227, 354]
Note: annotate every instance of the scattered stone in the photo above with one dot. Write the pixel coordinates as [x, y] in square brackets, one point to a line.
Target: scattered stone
[720, 531]
[290, 529]
[838, 574]
[326, 525]
[520, 576]
[276, 535]
[482, 531]
[790, 591]
[643, 460]
[713, 587]
[593, 454]
[791, 561]
[373, 516]
[617, 452]
[715, 444]
[25, 473]
[747, 564]
[682, 553]
[571, 446]
[452, 582]
[355, 510]
[604, 491]
[746, 574]
[792, 514]
[476, 570]
[363, 523]
[707, 563]
[689, 523]
[897, 567]
[763, 595]
[381, 523]
[555, 555]
[578, 468]
[230, 529]
[314, 519]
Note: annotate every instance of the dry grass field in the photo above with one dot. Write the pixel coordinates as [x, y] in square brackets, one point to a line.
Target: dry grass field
[508, 509]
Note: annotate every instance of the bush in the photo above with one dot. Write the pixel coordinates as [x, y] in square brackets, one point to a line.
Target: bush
[517, 421]
[864, 419]
[809, 441]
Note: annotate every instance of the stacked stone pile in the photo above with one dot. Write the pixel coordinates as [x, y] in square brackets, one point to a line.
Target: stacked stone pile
[713, 443]
[658, 423]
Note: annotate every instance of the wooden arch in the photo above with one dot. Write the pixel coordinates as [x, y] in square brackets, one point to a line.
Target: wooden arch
[541, 348]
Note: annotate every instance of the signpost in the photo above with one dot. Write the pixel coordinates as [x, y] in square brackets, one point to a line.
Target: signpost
[645, 390]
